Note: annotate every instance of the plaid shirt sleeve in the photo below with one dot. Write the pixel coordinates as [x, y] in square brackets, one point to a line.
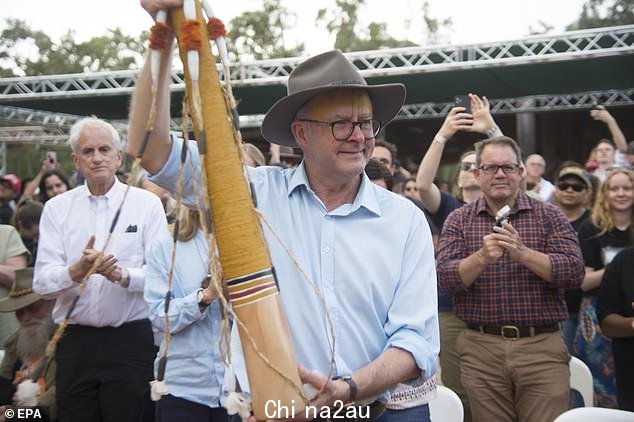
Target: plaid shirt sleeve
[451, 250]
[563, 251]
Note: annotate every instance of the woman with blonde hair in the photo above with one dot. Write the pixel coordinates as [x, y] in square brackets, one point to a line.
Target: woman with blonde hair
[194, 372]
[608, 231]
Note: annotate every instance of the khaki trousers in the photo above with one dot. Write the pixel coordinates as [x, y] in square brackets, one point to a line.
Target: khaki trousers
[450, 328]
[523, 380]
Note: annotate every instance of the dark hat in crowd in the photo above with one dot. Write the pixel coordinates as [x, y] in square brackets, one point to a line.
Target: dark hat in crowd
[630, 148]
[13, 181]
[577, 172]
[21, 294]
[318, 74]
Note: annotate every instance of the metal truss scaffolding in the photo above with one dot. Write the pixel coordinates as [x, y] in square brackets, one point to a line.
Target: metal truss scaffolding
[570, 45]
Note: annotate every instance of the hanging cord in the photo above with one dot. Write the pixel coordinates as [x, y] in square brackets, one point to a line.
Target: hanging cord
[159, 387]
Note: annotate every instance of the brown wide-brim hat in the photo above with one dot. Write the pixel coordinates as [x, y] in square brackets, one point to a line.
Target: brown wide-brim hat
[326, 72]
[21, 294]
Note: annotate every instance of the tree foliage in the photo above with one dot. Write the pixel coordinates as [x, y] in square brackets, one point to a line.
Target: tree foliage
[351, 35]
[260, 34]
[24, 51]
[434, 26]
[602, 13]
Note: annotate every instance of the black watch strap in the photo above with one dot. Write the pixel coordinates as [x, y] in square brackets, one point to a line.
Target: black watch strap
[353, 387]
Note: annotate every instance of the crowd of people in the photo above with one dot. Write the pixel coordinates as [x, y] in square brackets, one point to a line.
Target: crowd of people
[487, 286]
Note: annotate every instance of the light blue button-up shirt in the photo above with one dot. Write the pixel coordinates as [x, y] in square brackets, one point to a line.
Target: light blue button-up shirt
[372, 260]
[195, 370]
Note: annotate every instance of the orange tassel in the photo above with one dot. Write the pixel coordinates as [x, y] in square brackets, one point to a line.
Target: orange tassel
[159, 34]
[192, 39]
[216, 28]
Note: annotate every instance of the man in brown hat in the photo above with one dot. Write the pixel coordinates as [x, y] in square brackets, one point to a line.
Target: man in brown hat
[368, 250]
[25, 348]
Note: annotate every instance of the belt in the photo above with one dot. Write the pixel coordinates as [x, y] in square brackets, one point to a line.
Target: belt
[368, 412]
[512, 332]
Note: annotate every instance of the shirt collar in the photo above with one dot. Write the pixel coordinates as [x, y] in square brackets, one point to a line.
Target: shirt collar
[366, 197]
[298, 178]
[112, 193]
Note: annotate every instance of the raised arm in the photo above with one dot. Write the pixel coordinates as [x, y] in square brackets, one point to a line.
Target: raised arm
[159, 143]
[601, 114]
[429, 193]
[479, 121]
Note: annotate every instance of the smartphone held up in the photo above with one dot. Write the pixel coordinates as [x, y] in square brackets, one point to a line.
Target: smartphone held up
[51, 159]
[463, 101]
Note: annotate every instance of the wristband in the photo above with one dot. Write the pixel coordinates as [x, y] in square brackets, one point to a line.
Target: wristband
[440, 139]
[491, 131]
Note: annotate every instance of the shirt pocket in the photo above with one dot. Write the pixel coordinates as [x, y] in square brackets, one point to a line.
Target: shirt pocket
[128, 247]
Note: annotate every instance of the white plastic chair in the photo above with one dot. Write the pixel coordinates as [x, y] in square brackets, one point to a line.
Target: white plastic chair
[446, 407]
[1, 354]
[581, 380]
[595, 414]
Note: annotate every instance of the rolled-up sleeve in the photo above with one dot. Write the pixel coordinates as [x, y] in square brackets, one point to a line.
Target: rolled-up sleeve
[452, 249]
[564, 252]
[167, 177]
[413, 316]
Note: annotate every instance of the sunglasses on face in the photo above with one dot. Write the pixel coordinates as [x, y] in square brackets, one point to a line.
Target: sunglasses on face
[466, 165]
[575, 186]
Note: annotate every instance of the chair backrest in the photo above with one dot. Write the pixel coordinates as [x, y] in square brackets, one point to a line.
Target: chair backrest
[595, 414]
[581, 380]
[446, 407]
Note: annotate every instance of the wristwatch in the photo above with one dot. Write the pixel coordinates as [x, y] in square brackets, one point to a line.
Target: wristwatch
[353, 387]
[124, 281]
[200, 299]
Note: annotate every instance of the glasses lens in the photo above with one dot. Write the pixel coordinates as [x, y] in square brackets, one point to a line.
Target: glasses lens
[342, 129]
[493, 169]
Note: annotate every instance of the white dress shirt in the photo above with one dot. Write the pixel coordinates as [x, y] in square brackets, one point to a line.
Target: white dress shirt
[67, 222]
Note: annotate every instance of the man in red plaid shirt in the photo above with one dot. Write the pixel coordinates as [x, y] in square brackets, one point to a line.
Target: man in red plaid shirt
[507, 282]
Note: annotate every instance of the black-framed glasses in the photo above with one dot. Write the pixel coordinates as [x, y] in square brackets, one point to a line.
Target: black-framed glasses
[342, 129]
[577, 187]
[493, 168]
[466, 165]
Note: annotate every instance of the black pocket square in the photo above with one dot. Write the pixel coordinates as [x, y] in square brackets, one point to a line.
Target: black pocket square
[131, 229]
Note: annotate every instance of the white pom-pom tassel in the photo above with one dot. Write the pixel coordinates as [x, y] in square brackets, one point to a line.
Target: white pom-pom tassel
[310, 392]
[237, 403]
[158, 389]
[27, 393]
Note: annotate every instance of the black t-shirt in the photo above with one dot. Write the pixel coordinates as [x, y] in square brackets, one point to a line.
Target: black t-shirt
[574, 296]
[616, 296]
[599, 250]
[448, 203]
